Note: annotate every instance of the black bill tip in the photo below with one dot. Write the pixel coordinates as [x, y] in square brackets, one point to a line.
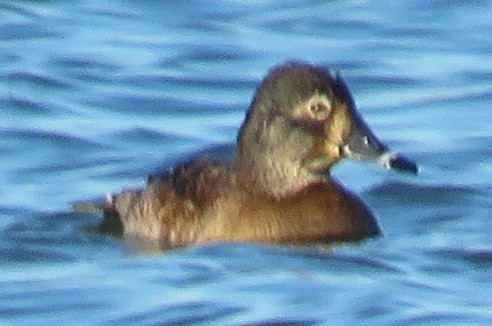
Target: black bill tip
[403, 164]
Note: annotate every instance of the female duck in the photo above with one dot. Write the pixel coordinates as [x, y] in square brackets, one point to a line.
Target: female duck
[301, 122]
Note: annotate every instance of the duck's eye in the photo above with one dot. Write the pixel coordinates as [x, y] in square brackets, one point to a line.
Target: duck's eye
[319, 109]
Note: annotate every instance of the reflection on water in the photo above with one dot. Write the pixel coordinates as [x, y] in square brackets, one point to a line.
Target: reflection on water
[94, 95]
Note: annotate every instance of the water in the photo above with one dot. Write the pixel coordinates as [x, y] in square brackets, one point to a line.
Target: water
[95, 94]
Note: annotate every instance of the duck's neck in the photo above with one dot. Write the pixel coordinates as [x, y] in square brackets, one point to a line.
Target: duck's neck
[270, 160]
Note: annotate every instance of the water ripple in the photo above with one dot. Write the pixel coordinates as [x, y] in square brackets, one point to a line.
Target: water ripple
[411, 193]
[38, 80]
[17, 32]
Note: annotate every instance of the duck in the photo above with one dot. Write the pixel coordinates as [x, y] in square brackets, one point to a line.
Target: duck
[301, 122]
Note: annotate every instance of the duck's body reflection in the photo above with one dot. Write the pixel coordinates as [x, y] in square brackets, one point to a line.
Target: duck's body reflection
[301, 122]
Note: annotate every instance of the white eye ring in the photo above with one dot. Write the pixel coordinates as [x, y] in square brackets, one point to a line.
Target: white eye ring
[319, 107]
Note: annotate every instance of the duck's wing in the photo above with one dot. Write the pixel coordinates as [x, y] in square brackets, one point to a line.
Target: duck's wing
[169, 209]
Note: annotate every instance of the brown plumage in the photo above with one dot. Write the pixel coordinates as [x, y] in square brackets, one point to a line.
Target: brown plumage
[301, 122]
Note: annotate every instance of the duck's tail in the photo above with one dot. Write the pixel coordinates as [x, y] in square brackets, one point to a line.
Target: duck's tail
[94, 205]
[111, 223]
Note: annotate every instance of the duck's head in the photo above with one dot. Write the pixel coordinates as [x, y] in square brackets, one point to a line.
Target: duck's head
[302, 121]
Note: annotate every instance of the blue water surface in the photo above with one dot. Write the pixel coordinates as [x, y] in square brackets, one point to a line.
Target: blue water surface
[96, 94]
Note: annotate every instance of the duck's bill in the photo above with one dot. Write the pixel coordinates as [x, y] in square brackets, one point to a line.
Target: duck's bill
[397, 162]
[363, 145]
[385, 159]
